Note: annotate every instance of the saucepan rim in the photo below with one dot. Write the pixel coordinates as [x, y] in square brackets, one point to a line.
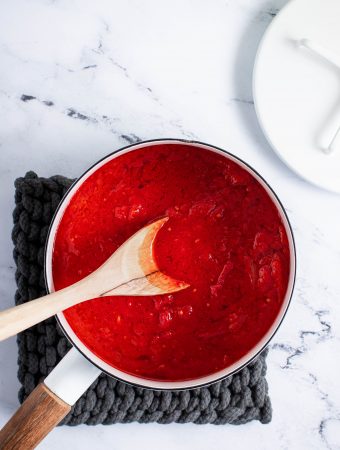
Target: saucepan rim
[156, 384]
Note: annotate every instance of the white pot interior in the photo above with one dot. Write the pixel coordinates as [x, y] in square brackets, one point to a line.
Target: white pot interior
[165, 384]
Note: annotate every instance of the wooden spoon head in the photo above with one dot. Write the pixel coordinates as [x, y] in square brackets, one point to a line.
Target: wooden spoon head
[138, 268]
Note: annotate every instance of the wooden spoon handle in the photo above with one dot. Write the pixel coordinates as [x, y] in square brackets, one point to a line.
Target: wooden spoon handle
[18, 318]
[35, 418]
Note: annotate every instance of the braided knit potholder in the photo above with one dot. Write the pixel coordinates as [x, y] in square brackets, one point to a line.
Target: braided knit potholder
[238, 399]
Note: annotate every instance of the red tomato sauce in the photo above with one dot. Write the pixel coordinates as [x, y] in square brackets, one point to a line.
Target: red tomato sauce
[224, 237]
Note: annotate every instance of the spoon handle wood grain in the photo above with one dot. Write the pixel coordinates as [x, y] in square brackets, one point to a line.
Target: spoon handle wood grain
[36, 417]
[18, 318]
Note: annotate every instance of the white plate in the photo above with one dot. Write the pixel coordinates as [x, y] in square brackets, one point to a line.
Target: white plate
[297, 92]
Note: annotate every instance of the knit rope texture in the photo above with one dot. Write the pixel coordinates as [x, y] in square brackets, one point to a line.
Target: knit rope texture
[236, 400]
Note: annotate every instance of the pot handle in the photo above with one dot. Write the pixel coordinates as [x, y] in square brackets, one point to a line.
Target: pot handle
[49, 403]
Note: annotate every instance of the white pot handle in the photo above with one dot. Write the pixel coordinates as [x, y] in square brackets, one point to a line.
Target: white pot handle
[49, 402]
[72, 376]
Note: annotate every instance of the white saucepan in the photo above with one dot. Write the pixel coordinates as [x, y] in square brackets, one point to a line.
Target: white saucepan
[53, 398]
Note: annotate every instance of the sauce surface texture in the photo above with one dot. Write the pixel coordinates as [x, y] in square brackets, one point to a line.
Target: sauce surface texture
[224, 237]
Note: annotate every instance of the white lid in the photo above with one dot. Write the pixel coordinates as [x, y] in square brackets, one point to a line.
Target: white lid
[297, 89]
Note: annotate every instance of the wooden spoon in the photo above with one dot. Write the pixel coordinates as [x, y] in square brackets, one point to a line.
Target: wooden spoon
[130, 270]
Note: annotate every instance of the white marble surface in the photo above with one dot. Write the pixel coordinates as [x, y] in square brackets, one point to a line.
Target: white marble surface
[105, 73]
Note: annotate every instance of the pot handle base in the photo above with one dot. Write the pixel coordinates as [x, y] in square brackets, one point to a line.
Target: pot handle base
[49, 403]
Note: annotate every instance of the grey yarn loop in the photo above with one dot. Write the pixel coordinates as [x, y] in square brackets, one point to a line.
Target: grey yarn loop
[236, 400]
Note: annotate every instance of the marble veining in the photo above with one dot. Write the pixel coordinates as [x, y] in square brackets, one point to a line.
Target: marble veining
[79, 79]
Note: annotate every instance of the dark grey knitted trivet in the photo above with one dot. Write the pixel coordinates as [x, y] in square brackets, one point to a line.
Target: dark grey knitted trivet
[237, 399]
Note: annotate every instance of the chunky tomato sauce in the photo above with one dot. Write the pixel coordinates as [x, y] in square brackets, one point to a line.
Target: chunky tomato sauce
[224, 237]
